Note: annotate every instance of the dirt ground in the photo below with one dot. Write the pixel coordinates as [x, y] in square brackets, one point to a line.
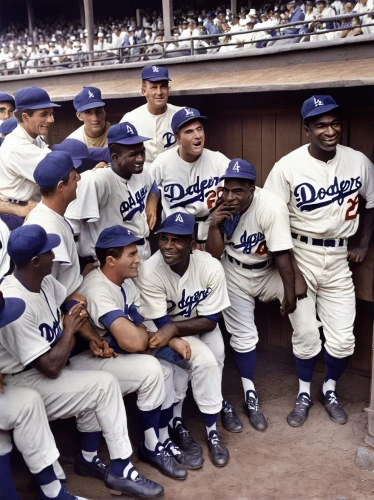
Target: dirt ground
[315, 461]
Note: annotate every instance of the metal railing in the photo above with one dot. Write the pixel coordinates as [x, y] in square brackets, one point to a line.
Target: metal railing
[141, 51]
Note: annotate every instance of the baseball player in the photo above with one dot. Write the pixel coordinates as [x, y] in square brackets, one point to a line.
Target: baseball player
[251, 230]
[34, 350]
[188, 176]
[22, 410]
[153, 119]
[6, 127]
[88, 159]
[114, 195]
[21, 151]
[113, 301]
[7, 106]
[90, 110]
[321, 183]
[183, 292]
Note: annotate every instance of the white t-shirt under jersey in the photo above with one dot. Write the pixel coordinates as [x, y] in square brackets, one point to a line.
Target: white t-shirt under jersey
[322, 198]
[66, 268]
[39, 327]
[190, 187]
[157, 127]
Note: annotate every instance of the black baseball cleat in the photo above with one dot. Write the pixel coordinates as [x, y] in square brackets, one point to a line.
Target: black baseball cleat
[297, 417]
[181, 436]
[332, 406]
[255, 415]
[164, 462]
[188, 461]
[141, 487]
[230, 419]
[218, 452]
[96, 468]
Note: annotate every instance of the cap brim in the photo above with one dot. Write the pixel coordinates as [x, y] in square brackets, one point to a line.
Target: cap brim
[42, 105]
[53, 241]
[157, 79]
[13, 309]
[175, 230]
[121, 243]
[190, 119]
[77, 162]
[129, 141]
[237, 176]
[321, 110]
[91, 105]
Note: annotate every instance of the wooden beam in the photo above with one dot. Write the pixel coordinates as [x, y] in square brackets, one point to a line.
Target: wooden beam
[167, 16]
[31, 18]
[89, 26]
[234, 6]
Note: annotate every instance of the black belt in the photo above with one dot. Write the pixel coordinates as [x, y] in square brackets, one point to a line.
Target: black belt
[260, 265]
[319, 242]
[17, 202]
[26, 369]
[201, 219]
[141, 241]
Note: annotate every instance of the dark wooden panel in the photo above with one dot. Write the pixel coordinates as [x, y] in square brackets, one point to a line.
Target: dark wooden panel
[361, 135]
[225, 135]
[252, 141]
[267, 147]
[287, 134]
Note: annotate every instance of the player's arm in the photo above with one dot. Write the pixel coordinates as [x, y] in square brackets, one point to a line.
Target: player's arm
[130, 338]
[151, 206]
[53, 361]
[284, 265]
[14, 209]
[1, 383]
[215, 244]
[359, 253]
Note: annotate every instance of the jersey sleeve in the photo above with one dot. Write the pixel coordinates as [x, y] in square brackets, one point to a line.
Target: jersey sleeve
[214, 279]
[100, 301]
[153, 299]
[54, 288]
[277, 182]
[274, 220]
[367, 189]
[90, 193]
[25, 164]
[155, 172]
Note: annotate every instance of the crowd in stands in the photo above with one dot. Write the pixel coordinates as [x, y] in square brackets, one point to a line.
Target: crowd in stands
[59, 44]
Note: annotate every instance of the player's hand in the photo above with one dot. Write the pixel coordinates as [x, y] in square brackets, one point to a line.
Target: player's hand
[181, 346]
[108, 352]
[75, 318]
[89, 267]
[2, 383]
[78, 297]
[25, 210]
[288, 305]
[151, 213]
[357, 254]
[221, 213]
[102, 164]
[301, 288]
[162, 336]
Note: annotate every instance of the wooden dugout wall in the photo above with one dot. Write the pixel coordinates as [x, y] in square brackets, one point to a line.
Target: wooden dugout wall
[261, 128]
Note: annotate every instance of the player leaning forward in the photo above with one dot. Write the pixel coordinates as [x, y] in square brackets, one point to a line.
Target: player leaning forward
[251, 230]
[321, 182]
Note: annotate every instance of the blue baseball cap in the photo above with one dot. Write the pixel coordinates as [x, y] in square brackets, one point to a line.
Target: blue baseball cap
[10, 309]
[4, 97]
[318, 105]
[240, 169]
[8, 125]
[183, 116]
[79, 151]
[88, 98]
[178, 223]
[155, 74]
[125, 133]
[52, 168]
[29, 241]
[115, 236]
[33, 98]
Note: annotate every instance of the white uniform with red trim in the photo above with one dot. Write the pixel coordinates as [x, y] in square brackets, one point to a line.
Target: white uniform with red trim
[322, 200]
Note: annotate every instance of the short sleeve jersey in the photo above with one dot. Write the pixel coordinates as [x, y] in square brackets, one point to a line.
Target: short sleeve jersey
[201, 291]
[322, 198]
[39, 327]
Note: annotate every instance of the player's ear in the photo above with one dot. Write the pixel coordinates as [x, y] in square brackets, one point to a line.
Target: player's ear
[35, 261]
[79, 116]
[177, 137]
[306, 128]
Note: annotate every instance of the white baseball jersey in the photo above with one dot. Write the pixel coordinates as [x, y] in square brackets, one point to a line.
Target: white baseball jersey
[201, 291]
[264, 226]
[322, 198]
[190, 187]
[4, 257]
[39, 327]
[158, 127]
[105, 199]
[66, 268]
[19, 156]
[104, 296]
[99, 142]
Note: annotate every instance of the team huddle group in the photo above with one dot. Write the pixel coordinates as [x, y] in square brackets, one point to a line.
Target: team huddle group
[88, 315]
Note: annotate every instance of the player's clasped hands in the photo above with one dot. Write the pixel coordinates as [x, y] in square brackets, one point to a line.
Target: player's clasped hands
[75, 318]
[162, 337]
[181, 346]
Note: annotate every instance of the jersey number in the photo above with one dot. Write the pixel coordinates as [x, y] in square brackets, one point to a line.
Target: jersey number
[352, 209]
[262, 249]
[212, 197]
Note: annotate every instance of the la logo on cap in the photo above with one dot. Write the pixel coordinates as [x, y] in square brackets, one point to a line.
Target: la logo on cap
[179, 218]
[318, 102]
[189, 112]
[129, 129]
[90, 94]
[155, 69]
[236, 167]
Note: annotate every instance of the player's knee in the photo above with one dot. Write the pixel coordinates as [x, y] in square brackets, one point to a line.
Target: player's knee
[342, 348]
[244, 343]
[152, 372]
[203, 358]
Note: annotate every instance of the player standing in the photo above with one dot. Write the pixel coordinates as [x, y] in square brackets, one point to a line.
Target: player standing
[321, 183]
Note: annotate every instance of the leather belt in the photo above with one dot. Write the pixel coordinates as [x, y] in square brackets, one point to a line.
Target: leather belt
[260, 265]
[320, 242]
